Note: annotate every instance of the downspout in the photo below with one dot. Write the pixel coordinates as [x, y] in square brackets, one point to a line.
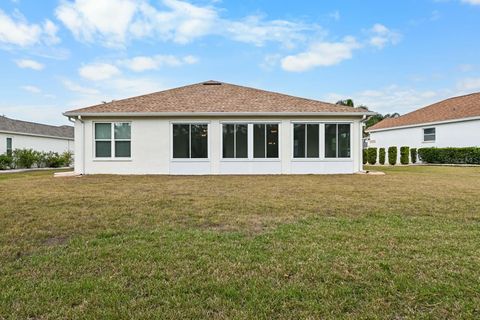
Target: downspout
[362, 124]
[83, 144]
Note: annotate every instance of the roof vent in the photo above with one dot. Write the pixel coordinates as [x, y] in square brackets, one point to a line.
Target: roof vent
[212, 83]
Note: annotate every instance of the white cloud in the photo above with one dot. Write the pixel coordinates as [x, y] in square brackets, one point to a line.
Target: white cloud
[32, 89]
[469, 84]
[30, 64]
[381, 36]
[98, 71]
[142, 63]
[394, 98]
[335, 15]
[115, 22]
[321, 54]
[74, 87]
[257, 31]
[18, 31]
[473, 2]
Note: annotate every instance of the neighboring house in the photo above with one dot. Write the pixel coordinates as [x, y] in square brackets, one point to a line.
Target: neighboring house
[454, 122]
[17, 134]
[217, 128]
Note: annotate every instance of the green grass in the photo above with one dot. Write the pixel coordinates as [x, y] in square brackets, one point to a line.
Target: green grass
[404, 245]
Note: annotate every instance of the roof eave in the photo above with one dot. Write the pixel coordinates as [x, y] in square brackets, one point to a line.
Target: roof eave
[423, 124]
[211, 114]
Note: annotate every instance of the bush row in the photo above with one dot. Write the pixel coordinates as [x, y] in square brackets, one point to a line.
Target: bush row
[470, 155]
[28, 158]
[407, 154]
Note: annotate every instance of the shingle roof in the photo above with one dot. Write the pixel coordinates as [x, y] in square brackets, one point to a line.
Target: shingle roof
[454, 108]
[215, 97]
[11, 125]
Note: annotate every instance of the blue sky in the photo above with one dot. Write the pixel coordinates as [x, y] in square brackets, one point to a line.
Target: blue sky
[393, 56]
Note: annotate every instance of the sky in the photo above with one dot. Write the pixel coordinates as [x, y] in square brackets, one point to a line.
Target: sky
[392, 56]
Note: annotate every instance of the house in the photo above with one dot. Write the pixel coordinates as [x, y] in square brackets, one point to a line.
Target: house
[454, 122]
[217, 128]
[17, 134]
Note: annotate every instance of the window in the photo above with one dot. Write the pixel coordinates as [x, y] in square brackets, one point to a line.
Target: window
[119, 146]
[337, 140]
[265, 140]
[190, 141]
[9, 146]
[306, 141]
[235, 141]
[429, 135]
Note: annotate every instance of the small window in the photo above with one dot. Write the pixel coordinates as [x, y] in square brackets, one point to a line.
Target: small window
[235, 141]
[9, 146]
[265, 140]
[190, 141]
[429, 135]
[337, 140]
[113, 139]
[306, 141]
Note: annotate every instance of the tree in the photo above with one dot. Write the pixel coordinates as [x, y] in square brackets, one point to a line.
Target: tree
[346, 102]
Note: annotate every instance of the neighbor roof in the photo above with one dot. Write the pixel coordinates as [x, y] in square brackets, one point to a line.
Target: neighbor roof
[451, 109]
[25, 127]
[214, 97]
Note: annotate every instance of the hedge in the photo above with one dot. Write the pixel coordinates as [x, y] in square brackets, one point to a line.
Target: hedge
[404, 155]
[413, 155]
[28, 158]
[392, 155]
[364, 156]
[469, 155]
[372, 155]
[381, 155]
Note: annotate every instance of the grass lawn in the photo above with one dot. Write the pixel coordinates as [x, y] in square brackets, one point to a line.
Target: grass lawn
[403, 245]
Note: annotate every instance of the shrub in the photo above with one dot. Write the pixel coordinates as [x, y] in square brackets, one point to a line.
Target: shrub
[404, 155]
[413, 155]
[469, 155]
[392, 155]
[381, 155]
[364, 156]
[25, 158]
[67, 158]
[372, 155]
[6, 161]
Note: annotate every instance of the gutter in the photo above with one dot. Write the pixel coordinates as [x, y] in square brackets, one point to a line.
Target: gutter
[212, 114]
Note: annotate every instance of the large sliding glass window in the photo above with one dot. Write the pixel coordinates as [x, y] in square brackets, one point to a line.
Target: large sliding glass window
[337, 140]
[190, 141]
[265, 140]
[113, 139]
[235, 141]
[306, 141]
[9, 147]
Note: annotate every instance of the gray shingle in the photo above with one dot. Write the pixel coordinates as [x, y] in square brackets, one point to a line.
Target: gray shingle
[11, 125]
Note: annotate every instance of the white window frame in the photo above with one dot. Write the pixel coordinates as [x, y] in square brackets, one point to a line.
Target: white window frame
[279, 141]
[11, 145]
[305, 158]
[434, 134]
[250, 124]
[112, 141]
[190, 123]
[337, 158]
[235, 124]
